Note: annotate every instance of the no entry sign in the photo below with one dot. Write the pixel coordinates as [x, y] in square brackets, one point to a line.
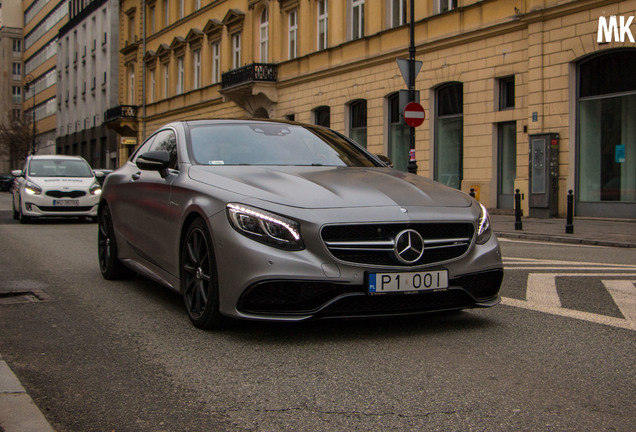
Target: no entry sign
[413, 114]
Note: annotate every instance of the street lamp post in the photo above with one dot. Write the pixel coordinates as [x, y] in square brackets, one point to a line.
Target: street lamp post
[28, 80]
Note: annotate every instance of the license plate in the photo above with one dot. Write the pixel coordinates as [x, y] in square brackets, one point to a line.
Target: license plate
[66, 203]
[381, 283]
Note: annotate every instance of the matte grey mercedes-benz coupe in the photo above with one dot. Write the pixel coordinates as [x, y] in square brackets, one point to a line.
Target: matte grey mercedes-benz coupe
[268, 220]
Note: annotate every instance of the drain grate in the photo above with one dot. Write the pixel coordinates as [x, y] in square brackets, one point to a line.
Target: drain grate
[23, 296]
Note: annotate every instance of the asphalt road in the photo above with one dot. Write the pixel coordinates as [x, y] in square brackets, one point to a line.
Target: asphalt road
[101, 356]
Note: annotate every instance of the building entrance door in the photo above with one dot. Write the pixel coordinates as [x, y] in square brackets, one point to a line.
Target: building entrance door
[507, 164]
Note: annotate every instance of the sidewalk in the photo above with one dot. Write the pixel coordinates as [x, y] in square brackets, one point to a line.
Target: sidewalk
[590, 231]
[18, 413]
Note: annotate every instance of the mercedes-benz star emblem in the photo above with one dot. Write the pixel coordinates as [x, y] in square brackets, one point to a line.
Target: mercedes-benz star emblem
[409, 246]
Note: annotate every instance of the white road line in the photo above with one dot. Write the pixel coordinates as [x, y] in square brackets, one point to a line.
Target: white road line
[549, 243]
[569, 268]
[570, 313]
[624, 294]
[541, 290]
[542, 296]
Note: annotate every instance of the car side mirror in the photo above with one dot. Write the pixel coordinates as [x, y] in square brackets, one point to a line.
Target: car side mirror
[385, 160]
[157, 160]
[99, 174]
[16, 173]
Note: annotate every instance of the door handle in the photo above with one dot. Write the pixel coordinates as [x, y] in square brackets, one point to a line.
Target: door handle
[136, 176]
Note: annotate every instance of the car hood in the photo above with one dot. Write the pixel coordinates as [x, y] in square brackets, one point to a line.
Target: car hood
[330, 187]
[63, 183]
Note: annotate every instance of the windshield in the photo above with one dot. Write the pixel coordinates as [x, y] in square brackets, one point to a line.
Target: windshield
[59, 168]
[272, 144]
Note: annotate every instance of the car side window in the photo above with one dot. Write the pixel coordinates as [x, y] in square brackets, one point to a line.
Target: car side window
[167, 140]
[145, 147]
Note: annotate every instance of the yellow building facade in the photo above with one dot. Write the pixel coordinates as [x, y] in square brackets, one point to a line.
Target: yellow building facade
[504, 83]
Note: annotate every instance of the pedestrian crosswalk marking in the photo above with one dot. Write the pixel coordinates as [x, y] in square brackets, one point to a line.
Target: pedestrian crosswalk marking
[545, 264]
[542, 294]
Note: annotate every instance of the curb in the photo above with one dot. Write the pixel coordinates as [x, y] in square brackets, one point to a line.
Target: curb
[18, 412]
[562, 239]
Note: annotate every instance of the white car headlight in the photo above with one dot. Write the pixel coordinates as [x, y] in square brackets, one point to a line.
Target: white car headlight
[32, 189]
[483, 228]
[95, 189]
[265, 227]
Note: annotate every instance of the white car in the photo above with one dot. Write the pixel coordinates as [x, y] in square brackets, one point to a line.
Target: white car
[55, 186]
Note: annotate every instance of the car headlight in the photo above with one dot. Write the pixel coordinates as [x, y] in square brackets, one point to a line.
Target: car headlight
[32, 189]
[483, 229]
[96, 189]
[265, 227]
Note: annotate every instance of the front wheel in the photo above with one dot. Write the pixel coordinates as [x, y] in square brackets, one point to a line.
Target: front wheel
[199, 281]
[110, 266]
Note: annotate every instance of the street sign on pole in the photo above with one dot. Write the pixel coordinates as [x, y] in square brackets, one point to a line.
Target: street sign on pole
[403, 64]
[413, 114]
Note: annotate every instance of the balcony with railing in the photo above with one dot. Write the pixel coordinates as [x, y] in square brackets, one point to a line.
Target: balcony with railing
[123, 119]
[255, 72]
[251, 85]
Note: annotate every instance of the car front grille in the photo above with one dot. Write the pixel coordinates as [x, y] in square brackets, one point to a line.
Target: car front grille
[373, 244]
[63, 209]
[66, 194]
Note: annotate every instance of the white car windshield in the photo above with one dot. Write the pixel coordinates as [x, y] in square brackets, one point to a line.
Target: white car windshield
[273, 144]
[59, 168]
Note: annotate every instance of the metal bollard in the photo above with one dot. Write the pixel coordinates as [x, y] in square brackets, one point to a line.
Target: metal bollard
[518, 225]
[472, 192]
[569, 226]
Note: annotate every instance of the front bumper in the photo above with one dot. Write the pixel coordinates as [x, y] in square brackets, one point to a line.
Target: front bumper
[44, 206]
[260, 282]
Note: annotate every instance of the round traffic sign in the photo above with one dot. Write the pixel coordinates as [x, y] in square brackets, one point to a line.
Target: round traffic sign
[413, 114]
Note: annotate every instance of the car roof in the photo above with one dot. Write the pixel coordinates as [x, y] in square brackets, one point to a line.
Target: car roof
[55, 156]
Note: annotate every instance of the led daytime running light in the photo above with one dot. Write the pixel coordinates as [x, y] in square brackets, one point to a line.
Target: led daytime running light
[239, 209]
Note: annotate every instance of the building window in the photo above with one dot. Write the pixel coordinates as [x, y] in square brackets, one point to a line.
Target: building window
[264, 35]
[357, 19]
[322, 116]
[236, 50]
[507, 93]
[446, 5]
[216, 62]
[131, 85]
[131, 30]
[196, 60]
[449, 134]
[293, 33]
[398, 12]
[358, 122]
[17, 95]
[323, 21]
[166, 13]
[399, 136]
[17, 46]
[606, 134]
[17, 71]
[153, 84]
[180, 74]
[166, 80]
[197, 5]
[152, 20]
[181, 8]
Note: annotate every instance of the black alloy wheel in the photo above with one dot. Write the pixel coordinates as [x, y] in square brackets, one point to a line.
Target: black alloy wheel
[110, 266]
[199, 282]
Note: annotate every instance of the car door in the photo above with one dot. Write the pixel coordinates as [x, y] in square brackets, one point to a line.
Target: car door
[144, 203]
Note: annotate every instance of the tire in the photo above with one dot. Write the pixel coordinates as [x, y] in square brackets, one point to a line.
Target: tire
[16, 214]
[110, 266]
[24, 219]
[199, 279]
